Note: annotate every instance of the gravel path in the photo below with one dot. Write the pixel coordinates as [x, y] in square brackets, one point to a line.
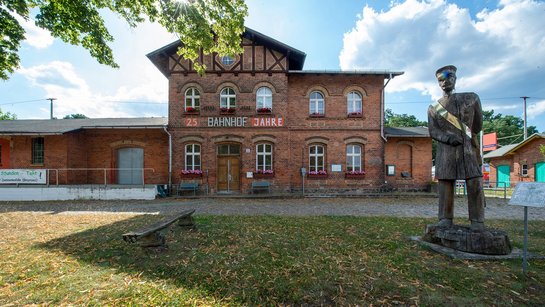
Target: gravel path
[382, 206]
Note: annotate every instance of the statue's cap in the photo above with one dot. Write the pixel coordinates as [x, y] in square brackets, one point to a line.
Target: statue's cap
[450, 68]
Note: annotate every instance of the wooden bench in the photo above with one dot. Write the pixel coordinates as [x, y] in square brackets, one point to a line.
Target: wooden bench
[188, 186]
[151, 236]
[261, 186]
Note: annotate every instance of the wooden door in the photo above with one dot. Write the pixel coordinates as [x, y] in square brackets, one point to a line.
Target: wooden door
[228, 173]
[504, 179]
[540, 172]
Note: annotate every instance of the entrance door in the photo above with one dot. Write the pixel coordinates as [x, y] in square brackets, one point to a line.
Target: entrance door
[131, 162]
[540, 172]
[4, 153]
[503, 176]
[228, 167]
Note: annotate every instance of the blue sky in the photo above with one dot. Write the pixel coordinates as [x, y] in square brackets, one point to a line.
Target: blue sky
[498, 47]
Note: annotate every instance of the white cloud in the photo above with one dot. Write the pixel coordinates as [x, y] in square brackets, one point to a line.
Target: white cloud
[35, 36]
[536, 109]
[74, 95]
[500, 53]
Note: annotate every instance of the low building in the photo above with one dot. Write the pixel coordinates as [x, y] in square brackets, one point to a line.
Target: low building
[522, 162]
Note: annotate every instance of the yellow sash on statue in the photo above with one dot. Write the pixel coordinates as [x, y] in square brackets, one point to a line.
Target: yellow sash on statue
[455, 121]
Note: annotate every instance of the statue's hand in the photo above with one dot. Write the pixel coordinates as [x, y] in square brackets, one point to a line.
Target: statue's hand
[454, 140]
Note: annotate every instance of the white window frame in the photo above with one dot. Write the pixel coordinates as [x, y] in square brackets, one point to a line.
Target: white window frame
[314, 158]
[264, 150]
[524, 169]
[228, 98]
[192, 98]
[263, 98]
[316, 103]
[354, 103]
[192, 157]
[354, 158]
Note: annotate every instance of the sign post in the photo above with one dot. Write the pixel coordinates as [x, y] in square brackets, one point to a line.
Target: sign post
[528, 194]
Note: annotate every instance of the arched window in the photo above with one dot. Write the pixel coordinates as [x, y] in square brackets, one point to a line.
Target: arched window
[192, 157]
[264, 158]
[192, 99]
[264, 100]
[316, 158]
[227, 98]
[353, 103]
[354, 158]
[316, 104]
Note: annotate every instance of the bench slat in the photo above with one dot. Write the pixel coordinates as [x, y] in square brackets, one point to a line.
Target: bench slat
[133, 235]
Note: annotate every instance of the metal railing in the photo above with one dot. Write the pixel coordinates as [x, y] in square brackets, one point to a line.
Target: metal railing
[490, 188]
[105, 171]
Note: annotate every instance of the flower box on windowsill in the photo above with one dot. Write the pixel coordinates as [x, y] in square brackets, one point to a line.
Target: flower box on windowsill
[317, 176]
[355, 114]
[227, 110]
[262, 175]
[190, 174]
[262, 111]
[191, 111]
[317, 115]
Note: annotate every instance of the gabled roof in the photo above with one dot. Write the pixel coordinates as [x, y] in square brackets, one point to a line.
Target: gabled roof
[61, 126]
[296, 58]
[415, 132]
[510, 149]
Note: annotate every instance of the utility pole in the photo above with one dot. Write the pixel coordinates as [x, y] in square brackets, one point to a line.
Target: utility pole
[525, 129]
[51, 100]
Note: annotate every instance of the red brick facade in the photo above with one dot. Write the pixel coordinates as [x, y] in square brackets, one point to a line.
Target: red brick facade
[526, 153]
[290, 128]
[92, 151]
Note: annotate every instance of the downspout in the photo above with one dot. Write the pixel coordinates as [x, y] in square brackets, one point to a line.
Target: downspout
[169, 158]
[382, 108]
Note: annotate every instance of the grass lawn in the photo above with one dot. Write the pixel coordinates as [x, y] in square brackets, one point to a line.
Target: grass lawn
[69, 259]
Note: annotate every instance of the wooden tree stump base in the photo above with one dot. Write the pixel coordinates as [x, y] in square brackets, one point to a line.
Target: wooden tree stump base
[463, 238]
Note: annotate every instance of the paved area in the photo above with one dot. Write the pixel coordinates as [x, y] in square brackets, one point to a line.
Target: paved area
[406, 206]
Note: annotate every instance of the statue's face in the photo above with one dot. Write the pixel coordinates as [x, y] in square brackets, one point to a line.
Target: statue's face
[447, 80]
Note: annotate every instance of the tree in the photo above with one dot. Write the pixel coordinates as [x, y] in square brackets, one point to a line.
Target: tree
[207, 25]
[505, 126]
[75, 116]
[7, 116]
[402, 120]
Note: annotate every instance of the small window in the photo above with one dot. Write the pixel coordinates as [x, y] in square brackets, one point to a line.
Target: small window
[353, 158]
[227, 98]
[524, 170]
[316, 105]
[227, 60]
[192, 100]
[316, 158]
[263, 157]
[353, 102]
[37, 151]
[192, 157]
[228, 149]
[264, 100]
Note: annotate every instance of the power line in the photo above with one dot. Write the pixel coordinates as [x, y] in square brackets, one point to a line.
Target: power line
[24, 101]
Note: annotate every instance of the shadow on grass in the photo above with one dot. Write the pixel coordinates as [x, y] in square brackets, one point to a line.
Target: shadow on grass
[279, 260]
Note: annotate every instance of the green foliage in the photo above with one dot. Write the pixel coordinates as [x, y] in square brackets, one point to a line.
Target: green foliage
[505, 126]
[402, 120]
[542, 149]
[75, 116]
[80, 23]
[7, 116]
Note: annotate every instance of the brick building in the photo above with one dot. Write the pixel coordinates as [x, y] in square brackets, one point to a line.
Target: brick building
[259, 116]
[522, 162]
[255, 117]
